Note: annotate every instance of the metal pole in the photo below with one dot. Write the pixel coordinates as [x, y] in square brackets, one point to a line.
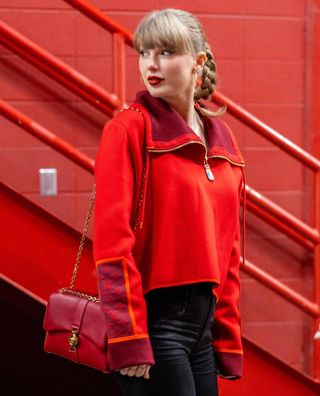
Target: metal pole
[119, 77]
[313, 128]
[316, 346]
[46, 136]
[307, 306]
[97, 16]
[56, 68]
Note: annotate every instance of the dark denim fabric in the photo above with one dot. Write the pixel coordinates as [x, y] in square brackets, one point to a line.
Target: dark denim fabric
[179, 323]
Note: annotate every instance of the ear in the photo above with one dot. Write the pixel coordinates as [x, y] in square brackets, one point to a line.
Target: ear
[201, 58]
[195, 67]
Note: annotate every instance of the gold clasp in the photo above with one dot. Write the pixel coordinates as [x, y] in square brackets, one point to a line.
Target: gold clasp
[73, 340]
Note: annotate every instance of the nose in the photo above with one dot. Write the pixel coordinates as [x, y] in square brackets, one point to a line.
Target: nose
[152, 62]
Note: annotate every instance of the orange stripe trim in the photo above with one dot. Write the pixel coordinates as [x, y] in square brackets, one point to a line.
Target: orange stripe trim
[98, 262]
[127, 286]
[128, 338]
[230, 351]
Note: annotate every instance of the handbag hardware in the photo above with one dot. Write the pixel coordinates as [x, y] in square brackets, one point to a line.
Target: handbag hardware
[73, 340]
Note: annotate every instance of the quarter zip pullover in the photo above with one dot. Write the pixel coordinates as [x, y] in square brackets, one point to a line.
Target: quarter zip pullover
[189, 228]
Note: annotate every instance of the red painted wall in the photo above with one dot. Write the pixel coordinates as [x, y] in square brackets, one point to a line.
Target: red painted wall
[261, 53]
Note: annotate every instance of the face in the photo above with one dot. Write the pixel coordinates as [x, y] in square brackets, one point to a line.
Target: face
[173, 73]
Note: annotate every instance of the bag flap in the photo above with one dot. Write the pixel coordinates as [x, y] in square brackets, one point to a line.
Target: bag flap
[60, 314]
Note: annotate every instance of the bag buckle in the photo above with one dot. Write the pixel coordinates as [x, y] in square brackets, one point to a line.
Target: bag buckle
[73, 340]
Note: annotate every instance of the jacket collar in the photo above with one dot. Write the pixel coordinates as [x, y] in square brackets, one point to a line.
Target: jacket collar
[168, 130]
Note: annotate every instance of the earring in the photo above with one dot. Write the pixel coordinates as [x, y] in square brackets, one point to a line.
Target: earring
[202, 58]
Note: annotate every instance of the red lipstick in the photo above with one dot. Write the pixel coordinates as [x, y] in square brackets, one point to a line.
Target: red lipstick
[154, 80]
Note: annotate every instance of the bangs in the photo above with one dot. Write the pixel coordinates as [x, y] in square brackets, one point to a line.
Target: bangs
[163, 31]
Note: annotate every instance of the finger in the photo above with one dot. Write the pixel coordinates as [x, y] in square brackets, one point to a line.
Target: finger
[132, 371]
[124, 371]
[140, 370]
[146, 372]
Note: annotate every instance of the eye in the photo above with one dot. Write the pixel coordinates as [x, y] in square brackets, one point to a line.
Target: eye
[167, 52]
[142, 52]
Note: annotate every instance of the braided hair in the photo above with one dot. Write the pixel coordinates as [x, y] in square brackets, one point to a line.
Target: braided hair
[208, 82]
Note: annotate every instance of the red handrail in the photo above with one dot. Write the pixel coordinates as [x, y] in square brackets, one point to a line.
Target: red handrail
[316, 352]
[58, 70]
[119, 73]
[267, 132]
[46, 136]
[298, 229]
[96, 15]
[280, 288]
[279, 225]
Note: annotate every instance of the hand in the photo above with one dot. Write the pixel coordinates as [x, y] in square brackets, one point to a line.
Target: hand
[138, 371]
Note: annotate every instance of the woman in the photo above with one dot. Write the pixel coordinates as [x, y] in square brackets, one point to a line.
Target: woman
[169, 177]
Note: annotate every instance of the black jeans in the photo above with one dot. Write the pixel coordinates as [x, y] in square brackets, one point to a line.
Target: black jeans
[179, 324]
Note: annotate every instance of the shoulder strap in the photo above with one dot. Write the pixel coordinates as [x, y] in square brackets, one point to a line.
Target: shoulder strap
[90, 210]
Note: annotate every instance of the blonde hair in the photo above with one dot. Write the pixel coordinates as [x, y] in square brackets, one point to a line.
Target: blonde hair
[180, 31]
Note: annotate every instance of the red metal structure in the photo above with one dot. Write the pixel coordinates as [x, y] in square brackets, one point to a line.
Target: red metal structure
[300, 232]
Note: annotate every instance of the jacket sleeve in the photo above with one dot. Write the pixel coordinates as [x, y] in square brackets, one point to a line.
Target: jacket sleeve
[226, 329]
[119, 280]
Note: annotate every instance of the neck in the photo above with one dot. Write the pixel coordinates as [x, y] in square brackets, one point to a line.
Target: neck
[184, 107]
[187, 111]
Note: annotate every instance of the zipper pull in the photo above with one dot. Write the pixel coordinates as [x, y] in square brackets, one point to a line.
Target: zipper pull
[208, 170]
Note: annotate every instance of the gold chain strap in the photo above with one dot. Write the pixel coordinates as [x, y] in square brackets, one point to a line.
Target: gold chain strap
[71, 290]
[79, 294]
[83, 237]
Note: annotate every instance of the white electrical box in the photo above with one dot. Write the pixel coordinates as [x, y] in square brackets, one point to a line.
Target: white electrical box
[48, 181]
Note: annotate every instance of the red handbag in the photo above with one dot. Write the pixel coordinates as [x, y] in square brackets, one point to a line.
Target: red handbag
[74, 322]
[76, 330]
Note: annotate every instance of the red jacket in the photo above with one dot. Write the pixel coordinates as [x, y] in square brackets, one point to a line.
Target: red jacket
[188, 226]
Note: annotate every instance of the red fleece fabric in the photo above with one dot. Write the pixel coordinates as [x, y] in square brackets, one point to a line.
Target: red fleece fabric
[190, 228]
